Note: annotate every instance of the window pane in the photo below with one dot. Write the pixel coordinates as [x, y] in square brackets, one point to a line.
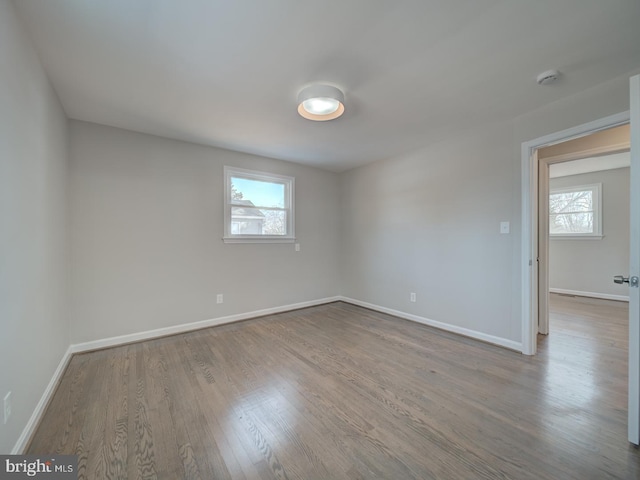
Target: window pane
[275, 222]
[571, 223]
[246, 220]
[263, 194]
[581, 201]
[254, 221]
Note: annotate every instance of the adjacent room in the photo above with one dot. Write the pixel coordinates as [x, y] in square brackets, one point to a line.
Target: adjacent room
[302, 240]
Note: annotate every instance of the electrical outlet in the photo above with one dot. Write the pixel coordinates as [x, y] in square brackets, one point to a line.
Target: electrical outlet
[7, 407]
[297, 247]
[219, 298]
[412, 297]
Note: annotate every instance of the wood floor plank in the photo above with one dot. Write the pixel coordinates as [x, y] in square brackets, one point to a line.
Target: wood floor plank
[341, 392]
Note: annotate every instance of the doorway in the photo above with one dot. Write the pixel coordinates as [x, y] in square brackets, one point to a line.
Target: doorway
[530, 274]
[583, 217]
[529, 266]
[530, 205]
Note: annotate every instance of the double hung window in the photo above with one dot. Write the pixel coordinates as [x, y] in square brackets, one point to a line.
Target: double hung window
[258, 207]
[576, 211]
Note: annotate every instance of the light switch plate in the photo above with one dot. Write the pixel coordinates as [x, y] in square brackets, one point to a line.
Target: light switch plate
[505, 227]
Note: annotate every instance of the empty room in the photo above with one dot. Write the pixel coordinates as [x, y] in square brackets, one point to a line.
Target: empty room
[319, 240]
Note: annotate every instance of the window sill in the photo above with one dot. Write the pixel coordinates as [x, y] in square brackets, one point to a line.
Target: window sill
[576, 237]
[257, 240]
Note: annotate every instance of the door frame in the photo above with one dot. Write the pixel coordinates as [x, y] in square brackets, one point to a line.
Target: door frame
[530, 231]
[543, 246]
[544, 171]
[634, 266]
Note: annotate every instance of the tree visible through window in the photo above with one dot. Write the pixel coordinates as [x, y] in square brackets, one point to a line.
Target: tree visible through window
[258, 206]
[575, 211]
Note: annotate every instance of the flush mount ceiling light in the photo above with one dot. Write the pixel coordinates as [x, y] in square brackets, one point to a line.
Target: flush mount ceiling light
[320, 102]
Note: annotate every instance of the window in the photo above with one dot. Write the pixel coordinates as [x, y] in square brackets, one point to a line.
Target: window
[258, 207]
[576, 212]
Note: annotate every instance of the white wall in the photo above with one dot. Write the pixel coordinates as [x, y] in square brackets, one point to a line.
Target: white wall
[33, 221]
[588, 266]
[428, 222]
[146, 236]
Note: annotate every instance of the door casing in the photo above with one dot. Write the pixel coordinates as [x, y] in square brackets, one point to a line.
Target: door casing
[530, 215]
[634, 266]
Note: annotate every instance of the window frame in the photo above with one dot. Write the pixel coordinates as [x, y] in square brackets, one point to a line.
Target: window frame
[289, 196]
[596, 189]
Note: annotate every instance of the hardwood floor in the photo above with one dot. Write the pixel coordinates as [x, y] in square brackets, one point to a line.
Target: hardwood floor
[341, 392]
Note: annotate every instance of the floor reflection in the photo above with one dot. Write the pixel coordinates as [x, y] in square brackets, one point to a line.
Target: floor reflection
[584, 362]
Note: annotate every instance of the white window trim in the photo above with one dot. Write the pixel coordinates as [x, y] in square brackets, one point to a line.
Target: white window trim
[596, 188]
[289, 183]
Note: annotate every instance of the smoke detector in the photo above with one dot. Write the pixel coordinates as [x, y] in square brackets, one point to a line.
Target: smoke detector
[548, 77]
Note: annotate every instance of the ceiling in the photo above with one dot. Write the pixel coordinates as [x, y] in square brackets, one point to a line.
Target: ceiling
[414, 72]
[590, 164]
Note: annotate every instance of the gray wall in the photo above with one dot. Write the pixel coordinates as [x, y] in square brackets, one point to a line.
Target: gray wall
[589, 265]
[428, 222]
[33, 258]
[147, 228]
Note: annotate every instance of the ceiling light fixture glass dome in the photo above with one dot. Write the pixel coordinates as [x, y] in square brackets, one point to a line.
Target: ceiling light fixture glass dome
[320, 102]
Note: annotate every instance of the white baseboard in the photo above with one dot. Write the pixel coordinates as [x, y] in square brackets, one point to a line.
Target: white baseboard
[577, 293]
[187, 327]
[503, 342]
[32, 424]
